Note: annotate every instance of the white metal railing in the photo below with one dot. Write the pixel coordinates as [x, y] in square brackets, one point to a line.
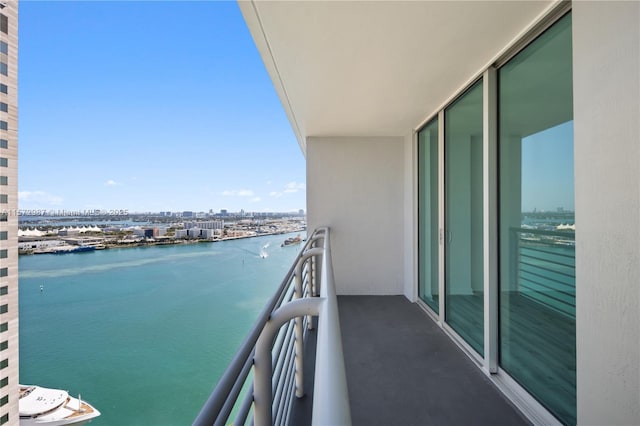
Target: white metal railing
[273, 350]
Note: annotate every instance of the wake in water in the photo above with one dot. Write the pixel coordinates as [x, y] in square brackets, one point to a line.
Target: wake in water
[96, 268]
[262, 254]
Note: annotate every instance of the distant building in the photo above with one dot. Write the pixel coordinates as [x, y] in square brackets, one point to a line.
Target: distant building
[182, 233]
[211, 224]
[187, 214]
[151, 232]
[209, 233]
[197, 233]
[66, 232]
[9, 358]
[40, 244]
[81, 241]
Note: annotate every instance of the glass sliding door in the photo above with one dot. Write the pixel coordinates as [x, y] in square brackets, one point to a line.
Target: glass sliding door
[537, 226]
[428, 214]
[464, 298]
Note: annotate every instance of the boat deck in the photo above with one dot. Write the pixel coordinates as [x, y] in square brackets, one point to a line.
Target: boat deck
[403, 370]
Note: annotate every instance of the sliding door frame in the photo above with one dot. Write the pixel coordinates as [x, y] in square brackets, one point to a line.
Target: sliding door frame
[489, 363]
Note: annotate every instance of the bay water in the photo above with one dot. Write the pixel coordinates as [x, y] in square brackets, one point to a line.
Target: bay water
[144, 333]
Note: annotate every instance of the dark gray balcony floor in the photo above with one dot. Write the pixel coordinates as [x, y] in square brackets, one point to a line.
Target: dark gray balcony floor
[403, 370]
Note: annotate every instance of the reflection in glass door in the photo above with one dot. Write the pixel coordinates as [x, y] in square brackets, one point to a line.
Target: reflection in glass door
[428, 214]
[537, 224]
[464, 284]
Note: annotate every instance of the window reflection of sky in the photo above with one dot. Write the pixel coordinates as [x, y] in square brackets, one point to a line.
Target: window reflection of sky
[547, 169]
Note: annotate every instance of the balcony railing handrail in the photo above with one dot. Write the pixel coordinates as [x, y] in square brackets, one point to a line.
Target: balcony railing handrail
[331, 404]
[330, 392]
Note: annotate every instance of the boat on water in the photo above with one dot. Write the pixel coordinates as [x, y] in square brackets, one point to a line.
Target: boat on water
[52, 407]
[291, 241]
[71, 249]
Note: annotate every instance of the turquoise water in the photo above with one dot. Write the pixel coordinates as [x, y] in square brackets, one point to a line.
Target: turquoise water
[143, 333]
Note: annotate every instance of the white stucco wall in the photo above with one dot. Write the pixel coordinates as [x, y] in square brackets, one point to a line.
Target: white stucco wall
[410, 242]
[606, 55]
[356, 186]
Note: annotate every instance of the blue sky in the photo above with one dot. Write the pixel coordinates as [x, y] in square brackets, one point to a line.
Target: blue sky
[547, 169]
[150, 106]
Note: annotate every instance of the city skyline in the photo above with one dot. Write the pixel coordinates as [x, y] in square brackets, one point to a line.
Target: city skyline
[180, 116]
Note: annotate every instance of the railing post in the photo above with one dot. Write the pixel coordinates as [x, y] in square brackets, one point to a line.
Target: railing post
[263, 368]
[314, 275]
[514, 264]
[313, 289]
[299, 373]
[299, 332]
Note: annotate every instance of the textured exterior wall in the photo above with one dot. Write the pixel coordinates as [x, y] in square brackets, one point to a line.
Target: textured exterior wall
[356, 186]
[606, 49]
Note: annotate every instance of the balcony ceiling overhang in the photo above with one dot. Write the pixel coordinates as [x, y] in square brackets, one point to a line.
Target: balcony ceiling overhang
[378, 68]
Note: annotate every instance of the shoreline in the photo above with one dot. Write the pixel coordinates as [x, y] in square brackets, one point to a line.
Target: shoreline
[174, 242]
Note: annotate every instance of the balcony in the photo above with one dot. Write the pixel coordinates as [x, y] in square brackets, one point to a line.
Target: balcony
[403, 369]
[314, 358]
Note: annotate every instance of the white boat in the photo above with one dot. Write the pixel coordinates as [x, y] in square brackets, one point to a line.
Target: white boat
[52, 407]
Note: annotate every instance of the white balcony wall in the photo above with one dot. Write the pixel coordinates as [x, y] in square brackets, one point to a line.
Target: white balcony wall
[356, 185]
[410, 242]
[606, 55]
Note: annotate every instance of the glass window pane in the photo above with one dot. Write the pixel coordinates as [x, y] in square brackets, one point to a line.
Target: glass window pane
[464, 276]
[537, 226]
[428, 214]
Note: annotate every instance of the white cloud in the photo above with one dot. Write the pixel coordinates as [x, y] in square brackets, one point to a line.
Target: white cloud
[294, 187]
[275, 194]
[111, 182]
[238, 193]
[39, 197]
[255, 199]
